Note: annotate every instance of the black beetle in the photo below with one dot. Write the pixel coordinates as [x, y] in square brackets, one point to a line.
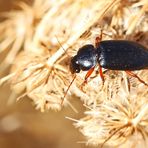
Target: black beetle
[111, 54]
[122, 55]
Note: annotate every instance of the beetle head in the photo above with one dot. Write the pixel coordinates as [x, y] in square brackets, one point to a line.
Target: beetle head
[74, 65]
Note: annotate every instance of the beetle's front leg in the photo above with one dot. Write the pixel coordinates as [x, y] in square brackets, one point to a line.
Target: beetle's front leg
[86, 77]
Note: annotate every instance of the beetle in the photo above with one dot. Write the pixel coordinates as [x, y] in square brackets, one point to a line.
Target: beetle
[122, 55]
[119, 55]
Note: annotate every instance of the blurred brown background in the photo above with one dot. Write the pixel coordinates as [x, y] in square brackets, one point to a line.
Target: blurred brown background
[23, 126]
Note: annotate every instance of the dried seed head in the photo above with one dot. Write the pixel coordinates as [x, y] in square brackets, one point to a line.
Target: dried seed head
[117, 115]
[43, 84]
[116, 121]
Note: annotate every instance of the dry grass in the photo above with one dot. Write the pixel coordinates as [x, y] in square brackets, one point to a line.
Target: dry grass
[39, 65]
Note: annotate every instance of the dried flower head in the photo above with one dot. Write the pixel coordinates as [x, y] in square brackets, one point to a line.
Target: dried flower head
[42, 56]
[118, 120]
[40, 40]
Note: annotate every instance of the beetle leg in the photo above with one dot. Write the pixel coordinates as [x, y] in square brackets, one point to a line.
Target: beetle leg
[96, 74]
[134, 75]
[101, 74]
[98, 39]
[87, 76]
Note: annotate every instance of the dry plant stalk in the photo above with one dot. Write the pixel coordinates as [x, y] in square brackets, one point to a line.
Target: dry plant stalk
[31, 35]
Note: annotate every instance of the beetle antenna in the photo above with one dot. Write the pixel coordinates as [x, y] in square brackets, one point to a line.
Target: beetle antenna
[68, 89]
[62, 46]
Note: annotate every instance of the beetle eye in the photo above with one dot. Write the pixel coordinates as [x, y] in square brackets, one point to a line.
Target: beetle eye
[77, 70]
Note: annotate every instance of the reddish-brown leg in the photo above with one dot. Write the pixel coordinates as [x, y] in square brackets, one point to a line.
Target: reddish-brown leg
[87, 76]
[134, 75]
[99, 71]
[98, 39]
